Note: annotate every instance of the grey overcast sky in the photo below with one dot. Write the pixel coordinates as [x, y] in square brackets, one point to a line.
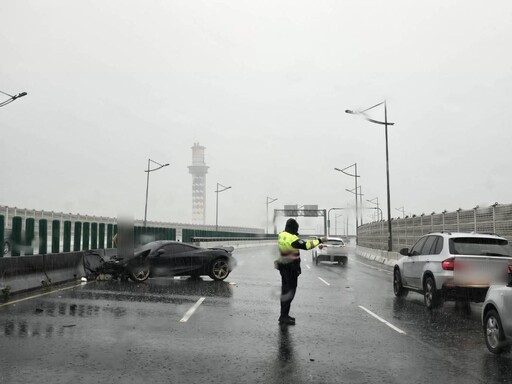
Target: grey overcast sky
[263, 85]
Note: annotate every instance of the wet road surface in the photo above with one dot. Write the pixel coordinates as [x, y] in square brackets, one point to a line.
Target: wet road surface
[350, 329]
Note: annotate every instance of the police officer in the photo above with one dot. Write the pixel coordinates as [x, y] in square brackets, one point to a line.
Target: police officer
[288, 264]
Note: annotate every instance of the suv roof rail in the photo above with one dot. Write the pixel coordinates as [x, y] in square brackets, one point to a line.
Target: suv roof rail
[447, 232]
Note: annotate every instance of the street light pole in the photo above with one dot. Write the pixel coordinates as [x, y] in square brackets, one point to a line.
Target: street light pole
[385, 123]
[11, 98]
[329, 219]
[217, 204]
[147, 184]
[355, 176]
[270, 200]
[336, 223]
[377, 204]
[360, 199]
[401, 209]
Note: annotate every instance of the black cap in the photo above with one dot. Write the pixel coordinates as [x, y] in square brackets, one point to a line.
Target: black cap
[292, 227]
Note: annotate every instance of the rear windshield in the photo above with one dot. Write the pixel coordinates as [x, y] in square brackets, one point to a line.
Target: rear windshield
[479, 246]
[334, 242]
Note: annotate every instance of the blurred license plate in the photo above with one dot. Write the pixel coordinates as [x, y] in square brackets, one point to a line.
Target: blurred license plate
[468, 272]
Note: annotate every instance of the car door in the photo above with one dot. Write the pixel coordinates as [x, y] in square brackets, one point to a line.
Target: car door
[422, 260]
[191, 258]
[506, 312]
[169, 260]
[410, 269]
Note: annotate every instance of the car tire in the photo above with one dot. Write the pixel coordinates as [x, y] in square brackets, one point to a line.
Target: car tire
[139, 273]
[493, 332]
[430, 293]
[398, 288]
[219, 269]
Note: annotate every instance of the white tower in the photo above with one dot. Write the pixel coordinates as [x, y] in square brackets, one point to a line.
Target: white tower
[198, 169]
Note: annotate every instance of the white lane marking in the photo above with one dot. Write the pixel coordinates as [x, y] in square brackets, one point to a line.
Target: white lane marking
[308, 266]
[323, 280]
[382, 320]
[191, 311]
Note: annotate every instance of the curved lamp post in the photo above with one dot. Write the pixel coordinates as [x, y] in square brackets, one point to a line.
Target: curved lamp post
[329, 219]
[336, 223]
[270, 200]
[217, 204]
[11, 98]
[377, 204]
[385, 123]
[147, 184]
[355, 176]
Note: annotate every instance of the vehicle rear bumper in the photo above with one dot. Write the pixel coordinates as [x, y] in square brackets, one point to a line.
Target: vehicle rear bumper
[333, 258]
[474, 294]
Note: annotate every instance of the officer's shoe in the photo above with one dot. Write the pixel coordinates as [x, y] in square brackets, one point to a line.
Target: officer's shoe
[292, 318]
[286, 321]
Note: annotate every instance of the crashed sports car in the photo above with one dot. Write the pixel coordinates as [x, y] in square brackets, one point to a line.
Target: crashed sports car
[167, 258]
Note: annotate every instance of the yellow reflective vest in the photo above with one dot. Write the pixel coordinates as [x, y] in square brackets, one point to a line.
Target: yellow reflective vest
[285, 241]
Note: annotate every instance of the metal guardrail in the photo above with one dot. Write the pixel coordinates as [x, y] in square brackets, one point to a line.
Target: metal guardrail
[494, 219]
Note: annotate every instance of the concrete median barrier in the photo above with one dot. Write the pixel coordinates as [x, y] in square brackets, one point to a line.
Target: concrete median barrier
[24, 273]
[378, 255]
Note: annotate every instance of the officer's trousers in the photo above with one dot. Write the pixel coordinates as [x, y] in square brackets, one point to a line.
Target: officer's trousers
[289, 276]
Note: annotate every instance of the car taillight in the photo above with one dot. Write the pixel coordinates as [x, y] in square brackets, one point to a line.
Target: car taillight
[448, 264]
[510, 269]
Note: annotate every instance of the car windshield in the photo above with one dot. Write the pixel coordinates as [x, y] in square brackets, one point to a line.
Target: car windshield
[479, 246]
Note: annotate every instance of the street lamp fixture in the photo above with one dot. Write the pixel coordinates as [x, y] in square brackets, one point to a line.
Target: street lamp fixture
[385, 123]
[224, 188]
[11, 98]
[147, 184]
[355, 176]
[270, 200]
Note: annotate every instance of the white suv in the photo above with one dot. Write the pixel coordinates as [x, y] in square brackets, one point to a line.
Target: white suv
[452, 266]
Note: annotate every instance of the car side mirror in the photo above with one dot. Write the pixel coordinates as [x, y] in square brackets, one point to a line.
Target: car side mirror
[404, 251]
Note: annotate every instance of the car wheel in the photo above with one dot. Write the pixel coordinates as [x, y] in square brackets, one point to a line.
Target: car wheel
[219, 269]
[493, 331]
[139, 273]
[432, 299]
[398, 288]
[7, 248]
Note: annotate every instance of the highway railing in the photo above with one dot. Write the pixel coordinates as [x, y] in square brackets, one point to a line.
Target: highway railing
[495, 219]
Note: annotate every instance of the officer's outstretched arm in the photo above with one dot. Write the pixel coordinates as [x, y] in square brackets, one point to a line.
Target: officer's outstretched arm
[306, 245]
